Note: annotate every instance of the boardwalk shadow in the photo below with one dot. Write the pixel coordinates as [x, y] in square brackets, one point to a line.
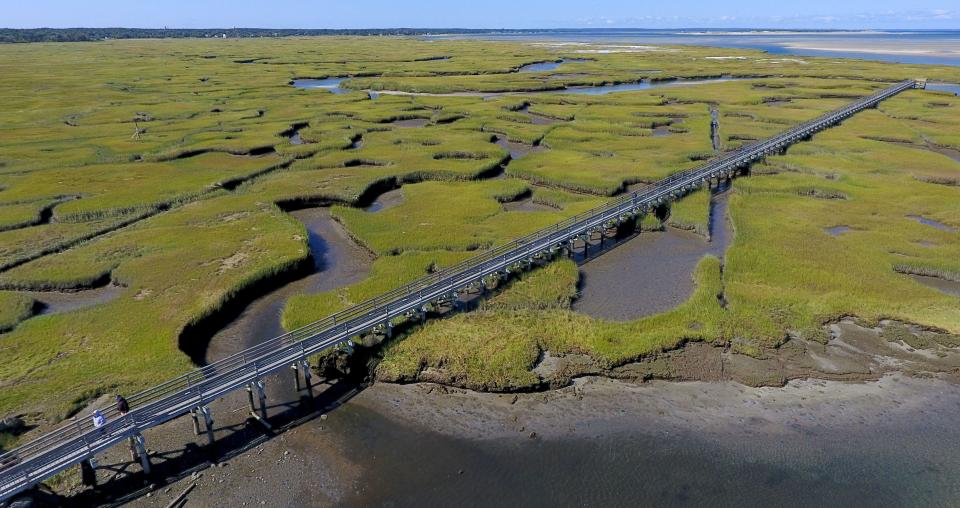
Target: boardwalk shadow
[127, 482]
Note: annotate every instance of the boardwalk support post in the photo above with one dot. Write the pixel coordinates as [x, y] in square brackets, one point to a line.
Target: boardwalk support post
[262, 417]
[296, 377]
[307, 377]
[208, 423]
[262, 395]
[196, 422]
[253, 407]
[88, 474]
[142, 452]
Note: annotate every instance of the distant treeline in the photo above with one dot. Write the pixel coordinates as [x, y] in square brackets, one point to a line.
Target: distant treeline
[9, 35]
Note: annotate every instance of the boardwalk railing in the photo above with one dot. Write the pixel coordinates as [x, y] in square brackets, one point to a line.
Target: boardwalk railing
[70, 444]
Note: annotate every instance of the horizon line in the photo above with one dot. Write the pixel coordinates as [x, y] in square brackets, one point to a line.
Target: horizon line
[494, 29]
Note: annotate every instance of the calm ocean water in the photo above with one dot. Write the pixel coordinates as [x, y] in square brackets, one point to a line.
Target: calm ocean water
[895, 42]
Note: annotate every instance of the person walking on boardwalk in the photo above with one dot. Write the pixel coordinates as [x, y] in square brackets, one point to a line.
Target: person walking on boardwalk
[99, 420]
[123, 407]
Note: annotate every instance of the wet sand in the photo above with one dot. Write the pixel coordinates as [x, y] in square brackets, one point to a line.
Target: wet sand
[879, 47]
[650, 273]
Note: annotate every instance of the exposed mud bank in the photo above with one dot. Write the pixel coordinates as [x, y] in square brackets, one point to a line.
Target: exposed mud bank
[950, 287]
[517, 150]
[58, 302]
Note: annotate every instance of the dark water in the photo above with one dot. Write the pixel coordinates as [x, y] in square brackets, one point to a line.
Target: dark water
[896, 464]
[772, 42]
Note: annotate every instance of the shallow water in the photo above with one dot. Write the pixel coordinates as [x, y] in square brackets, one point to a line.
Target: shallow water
[331, 84]
[643, 85]
[548, 66]
[932, 223]
[649, 273]
[836, 230]
[883, 45]
[953, 88]
[661, 131]
[338, 261]
[889, 462]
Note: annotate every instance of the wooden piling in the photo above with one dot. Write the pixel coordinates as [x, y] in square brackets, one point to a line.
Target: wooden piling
[296, 377]
[196, 422]
[307, 375]
[208, 423]
[88, 475]
[142, 452]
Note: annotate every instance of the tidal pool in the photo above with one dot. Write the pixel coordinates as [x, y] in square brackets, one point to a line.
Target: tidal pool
[932, 223]
[651, 272]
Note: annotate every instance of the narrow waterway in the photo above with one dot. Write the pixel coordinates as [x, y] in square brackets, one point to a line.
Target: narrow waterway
[333, 85]
[549, 66]
[338, 262]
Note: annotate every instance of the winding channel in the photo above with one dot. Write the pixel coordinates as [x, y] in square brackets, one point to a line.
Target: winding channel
[333, 85]
[337, 262]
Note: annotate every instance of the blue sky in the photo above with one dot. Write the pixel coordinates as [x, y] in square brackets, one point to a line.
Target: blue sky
[486, 14]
